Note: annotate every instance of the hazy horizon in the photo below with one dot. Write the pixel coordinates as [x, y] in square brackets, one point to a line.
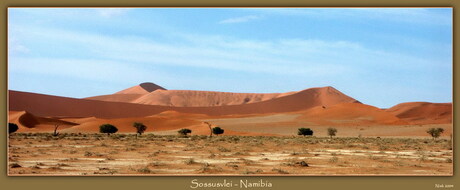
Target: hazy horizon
[379, 56]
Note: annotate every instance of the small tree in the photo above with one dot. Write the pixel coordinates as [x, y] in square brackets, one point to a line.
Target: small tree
[217, 131]
[140, 127]
[184, 132]
[55, 133]
[435, 132]
[12, 127]
[331, 132]
[210, 128]
[107, 128]
[305, 131]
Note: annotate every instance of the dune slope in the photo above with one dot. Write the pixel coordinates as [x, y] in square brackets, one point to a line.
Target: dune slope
[46, 105]
[29, 122]
[152, 94]
[423, 112]
[350, 114]
[190, 98]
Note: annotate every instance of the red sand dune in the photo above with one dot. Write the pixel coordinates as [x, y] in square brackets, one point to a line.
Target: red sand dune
[143, 88]
[28, 122]
[350, 114]
[154, 123]
[423, 112]
[190, 98]
[46, 105]
[243, 113]
[130, 94]
[151, 94]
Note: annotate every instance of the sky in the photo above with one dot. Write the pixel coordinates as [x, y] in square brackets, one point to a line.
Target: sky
[379, 56]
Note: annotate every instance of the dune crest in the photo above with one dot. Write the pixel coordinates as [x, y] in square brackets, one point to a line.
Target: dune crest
[46, 105]
[190, 98]
[350, 114]
[152, 94]
[423, 112]
[143, 88]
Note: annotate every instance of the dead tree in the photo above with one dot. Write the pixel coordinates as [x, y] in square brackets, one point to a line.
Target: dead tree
[210, 128]
[55, 133]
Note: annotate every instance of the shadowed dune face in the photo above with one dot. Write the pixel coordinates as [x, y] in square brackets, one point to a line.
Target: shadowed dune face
[423, 112]
[143, 88]
[28, 122]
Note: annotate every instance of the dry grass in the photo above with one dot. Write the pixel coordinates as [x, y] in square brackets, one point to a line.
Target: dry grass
[123, 154]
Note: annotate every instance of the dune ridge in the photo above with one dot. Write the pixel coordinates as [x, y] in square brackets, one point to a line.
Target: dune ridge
[423, 112]
[46, 105]
[189, 98]
[238, 113]
[152, 94]
[350, 114]
[143, 88]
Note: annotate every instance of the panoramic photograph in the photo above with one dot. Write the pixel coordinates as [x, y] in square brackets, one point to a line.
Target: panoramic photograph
[230, 92]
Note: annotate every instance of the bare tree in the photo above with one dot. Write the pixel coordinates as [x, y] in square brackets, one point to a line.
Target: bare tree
[210, 127]
[55, 133]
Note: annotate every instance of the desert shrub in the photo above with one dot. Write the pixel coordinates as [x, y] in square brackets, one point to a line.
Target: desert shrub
[305, 131]
[334, 159]
[145, 170]
[435, 132]
[331, 131]
[184, 132]
[12, 127]
[280, 171]
[223, 149]
[88, 153]
[140, 127]
[15, 165]
[217, 130]
[108, 128]
[190, 161]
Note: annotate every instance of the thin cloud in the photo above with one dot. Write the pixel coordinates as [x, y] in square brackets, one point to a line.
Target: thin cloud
[240, 19]
[281, 57]
[405, 15]
[111, 12]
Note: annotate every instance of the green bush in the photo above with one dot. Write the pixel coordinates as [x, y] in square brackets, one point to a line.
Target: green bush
[140, 127]
[184, 132]
[217, 131]
[12, 127]
[305, 131]
[435, 132]
[108, 128]
[331, 131]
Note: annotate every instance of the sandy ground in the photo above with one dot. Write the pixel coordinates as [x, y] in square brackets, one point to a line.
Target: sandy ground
[153, 154]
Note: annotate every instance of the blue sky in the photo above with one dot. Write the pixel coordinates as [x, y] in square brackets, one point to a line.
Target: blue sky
[379, 56]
